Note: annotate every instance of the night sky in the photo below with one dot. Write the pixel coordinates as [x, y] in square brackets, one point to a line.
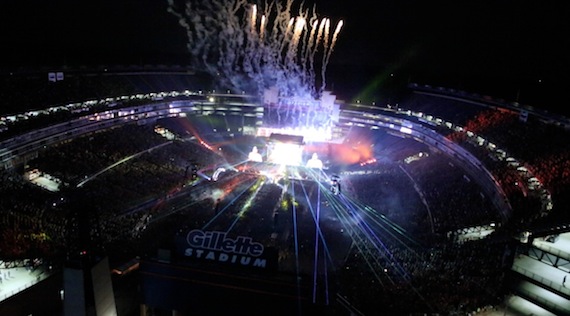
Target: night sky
[516, 50]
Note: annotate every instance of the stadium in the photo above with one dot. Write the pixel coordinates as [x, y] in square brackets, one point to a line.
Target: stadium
[245, 183]
[420, 208]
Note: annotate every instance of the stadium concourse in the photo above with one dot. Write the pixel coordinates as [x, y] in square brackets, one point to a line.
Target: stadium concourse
[430, 206]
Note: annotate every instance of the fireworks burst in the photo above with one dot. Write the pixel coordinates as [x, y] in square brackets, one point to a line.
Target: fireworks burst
[251, 47]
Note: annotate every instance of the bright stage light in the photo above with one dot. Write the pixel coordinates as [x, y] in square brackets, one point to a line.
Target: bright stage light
[285, 154]
[285, 149]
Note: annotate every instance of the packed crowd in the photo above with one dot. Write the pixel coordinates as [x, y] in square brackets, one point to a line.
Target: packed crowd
[34, 221]
[152, 174]
[541, 148]
[454, 199]
[29, 224]
[445, 277]
[438, 275]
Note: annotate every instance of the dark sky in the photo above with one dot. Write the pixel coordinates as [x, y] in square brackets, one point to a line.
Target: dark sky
[90, 32]
[500, 48]
[507, 49]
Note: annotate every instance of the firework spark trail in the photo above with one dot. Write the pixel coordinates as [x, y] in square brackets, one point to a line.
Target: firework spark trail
[308, 58]
[254, 18]
[326, 46]
[254, 47]
[329, 52]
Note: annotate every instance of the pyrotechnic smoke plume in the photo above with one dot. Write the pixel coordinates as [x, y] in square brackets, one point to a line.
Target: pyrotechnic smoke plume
[252, 47]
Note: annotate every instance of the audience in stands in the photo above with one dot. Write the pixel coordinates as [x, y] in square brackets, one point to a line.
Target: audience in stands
[437, 197]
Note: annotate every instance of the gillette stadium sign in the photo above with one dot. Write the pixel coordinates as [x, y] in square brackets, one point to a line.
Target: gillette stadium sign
[217, 246]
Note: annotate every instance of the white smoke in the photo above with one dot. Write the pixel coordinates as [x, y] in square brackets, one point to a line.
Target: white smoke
[252, 47]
